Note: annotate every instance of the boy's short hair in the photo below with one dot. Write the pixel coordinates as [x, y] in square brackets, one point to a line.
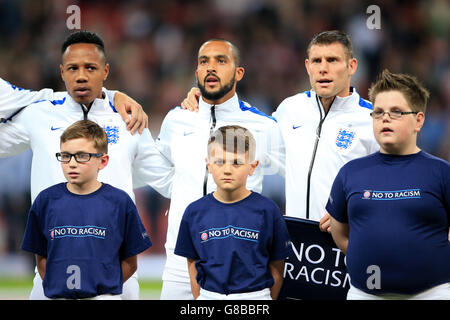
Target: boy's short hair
[330, 37]
[415, 94]
[233, 138]
[83, 37]
[89, 130]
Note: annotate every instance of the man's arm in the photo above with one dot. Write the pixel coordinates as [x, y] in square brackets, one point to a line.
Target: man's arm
[13, 98]
[151, 167]
[195, 287]
[340, 232]
[276, 269]
[125, 105]
[41, 263]
[129, 266]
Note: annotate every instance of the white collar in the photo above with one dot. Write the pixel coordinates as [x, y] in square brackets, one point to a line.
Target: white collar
[231, 105]
[100, 105]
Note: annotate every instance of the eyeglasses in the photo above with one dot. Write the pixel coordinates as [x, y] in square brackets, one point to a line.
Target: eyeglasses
[80, 157]
[395, 114]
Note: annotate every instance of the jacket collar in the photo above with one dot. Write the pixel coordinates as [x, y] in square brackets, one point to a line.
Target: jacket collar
[343, 102]
[229, 106]
[100, 105]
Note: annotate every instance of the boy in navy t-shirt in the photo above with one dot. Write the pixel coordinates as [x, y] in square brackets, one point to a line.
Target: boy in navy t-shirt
[235, 240]
[390, 210]
[85, 234]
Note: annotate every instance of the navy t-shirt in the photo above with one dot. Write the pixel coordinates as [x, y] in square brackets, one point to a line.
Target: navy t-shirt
[233, 243]
[397, 208]
[84, 238]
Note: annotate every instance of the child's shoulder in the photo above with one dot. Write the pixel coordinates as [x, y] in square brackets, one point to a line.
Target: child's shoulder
[264, 202]
[116, 194]
[56, 190]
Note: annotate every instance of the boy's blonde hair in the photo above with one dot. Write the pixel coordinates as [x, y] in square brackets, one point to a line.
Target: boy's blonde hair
[235, 139]
[415, 94]
[89, 130]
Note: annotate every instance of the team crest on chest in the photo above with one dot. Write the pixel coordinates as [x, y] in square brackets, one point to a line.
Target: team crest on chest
[113, 134]
[344, 138]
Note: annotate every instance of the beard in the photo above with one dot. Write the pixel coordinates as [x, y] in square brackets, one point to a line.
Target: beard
[223, 90]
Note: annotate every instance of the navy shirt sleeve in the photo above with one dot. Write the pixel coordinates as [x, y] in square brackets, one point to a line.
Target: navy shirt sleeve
[136, 238]
[34, 239]
[185, 246]
[337, 202]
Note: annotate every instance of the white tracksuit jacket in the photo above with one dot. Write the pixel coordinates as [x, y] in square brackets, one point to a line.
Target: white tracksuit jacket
[183, 140]
[312, 163]
[40, 125]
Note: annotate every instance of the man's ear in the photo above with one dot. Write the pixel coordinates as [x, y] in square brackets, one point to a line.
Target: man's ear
[61, 71]
[240, 71]
[106, 71]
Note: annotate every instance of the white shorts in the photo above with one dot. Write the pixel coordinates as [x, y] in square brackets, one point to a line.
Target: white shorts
[176, 290]
[130, 290]
[255, 295]
[440, 292]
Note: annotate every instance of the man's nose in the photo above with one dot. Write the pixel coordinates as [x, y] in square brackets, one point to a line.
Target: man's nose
[81, 75]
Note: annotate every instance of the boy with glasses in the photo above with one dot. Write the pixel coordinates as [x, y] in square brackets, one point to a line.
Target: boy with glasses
[85, 234]
[391, 210]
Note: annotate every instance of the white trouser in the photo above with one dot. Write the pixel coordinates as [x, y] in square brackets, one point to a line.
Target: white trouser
[255, 295]
[440, 292]
[176, 290]
[130, 290]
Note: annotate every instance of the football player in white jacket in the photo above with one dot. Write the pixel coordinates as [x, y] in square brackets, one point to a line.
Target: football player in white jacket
[321, 129]
[14, 98]
[183, 140]
[40, 125]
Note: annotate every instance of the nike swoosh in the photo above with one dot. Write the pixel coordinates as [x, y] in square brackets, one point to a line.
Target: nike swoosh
[296, 127]
[188, 133]
[53, 129]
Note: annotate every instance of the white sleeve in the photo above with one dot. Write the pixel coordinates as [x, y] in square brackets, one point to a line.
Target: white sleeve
[13, 98]
[164, 140]
[111, 94]
[14, 137]
[277, 151]
[151, 168]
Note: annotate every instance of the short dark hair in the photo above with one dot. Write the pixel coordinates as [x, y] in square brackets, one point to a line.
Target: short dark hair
[83, 37]
[89, 130]
[329, 37]
[415, 94]
[233, 137]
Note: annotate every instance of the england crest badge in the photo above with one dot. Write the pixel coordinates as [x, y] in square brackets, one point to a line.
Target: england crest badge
[113, 134]
[344, 138]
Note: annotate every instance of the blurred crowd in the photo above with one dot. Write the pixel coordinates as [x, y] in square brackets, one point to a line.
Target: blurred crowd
[152, 46]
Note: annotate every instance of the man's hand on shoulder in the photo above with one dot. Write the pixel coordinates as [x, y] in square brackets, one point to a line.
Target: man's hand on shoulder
[125, 105]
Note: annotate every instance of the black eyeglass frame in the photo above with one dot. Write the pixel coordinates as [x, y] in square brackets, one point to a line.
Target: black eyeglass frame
[398, 116]
[76, 155]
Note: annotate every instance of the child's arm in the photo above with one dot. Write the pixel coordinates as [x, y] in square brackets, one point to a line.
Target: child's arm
[129, 266]
[41, 263]
[195, 287]
[340, 232]
[276, 268]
